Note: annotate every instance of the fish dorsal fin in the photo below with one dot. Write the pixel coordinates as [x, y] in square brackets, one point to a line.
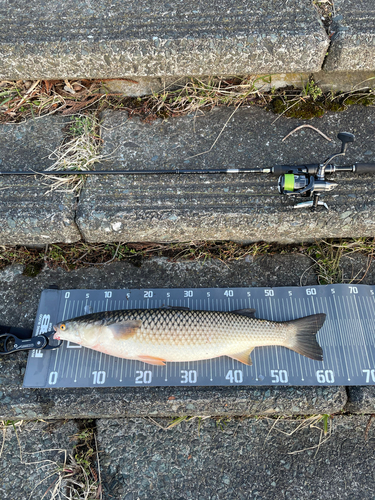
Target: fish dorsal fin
[126, 329]
[243, 357]
[245, 312]
[152, 360]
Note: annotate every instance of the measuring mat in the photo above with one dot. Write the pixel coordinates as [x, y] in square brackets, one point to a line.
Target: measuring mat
[347, 338]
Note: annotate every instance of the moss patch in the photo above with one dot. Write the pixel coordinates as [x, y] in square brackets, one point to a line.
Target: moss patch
[305, 109]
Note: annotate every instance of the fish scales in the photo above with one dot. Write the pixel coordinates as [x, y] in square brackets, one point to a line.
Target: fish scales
[192, 327]
[167, 334]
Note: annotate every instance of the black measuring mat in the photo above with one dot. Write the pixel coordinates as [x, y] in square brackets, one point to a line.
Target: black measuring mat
[347, 338]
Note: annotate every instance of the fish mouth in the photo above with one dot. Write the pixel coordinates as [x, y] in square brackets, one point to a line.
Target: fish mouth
[55, 336]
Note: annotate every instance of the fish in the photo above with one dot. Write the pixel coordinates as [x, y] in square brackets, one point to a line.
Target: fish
[169, 334]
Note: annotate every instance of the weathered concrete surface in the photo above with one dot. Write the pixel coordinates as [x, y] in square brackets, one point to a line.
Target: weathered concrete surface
[27, 214]
[108, 39]
[328, 81]
[32, 456]
[245, 207]
[20, 296]
[353, 36]
[361, 400]
[237, 460]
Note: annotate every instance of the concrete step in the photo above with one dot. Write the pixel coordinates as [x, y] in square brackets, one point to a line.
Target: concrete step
[242, 207]
[28, 214]
[236, 459]
[20, 297]
[200, 459]
[111, 39]
[239, 207]
[353, 37]
[31, 455]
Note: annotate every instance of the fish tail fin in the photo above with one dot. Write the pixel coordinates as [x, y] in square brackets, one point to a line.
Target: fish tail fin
[302, 338]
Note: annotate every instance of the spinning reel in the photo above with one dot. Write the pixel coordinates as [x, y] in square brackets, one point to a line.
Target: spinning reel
[309, 180]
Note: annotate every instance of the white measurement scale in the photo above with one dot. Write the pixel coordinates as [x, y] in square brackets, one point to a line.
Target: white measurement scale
[347, 338]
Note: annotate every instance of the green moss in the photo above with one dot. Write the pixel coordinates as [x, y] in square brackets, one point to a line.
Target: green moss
[306, 108]
[367, 100]
[302, 109]
[335, 106]
[33, 269]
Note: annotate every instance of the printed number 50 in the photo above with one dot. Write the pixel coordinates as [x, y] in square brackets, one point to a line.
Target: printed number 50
[279, 376]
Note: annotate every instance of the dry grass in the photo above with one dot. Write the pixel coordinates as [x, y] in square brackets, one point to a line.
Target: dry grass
[325, 255]
[321, 423]
[198, 95]
[21, 100]
[78, 154]
[31, 99]
[76, 255]
[66, 477]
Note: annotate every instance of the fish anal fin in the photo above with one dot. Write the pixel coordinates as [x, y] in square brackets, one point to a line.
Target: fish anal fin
[151, 360]
[243, 357]
[126, 329]
[245, 312]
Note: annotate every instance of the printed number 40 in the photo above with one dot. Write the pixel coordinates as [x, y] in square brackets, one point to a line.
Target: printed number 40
[235, 376]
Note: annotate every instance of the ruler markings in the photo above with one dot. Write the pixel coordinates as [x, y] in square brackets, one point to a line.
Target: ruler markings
[300, 315]
[330, 333]
[355, 337]
[347, 337]
[370, 329]
[342, 334]
[361, 332]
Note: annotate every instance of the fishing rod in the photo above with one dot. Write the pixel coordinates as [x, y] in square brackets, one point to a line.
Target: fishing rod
[304, 181]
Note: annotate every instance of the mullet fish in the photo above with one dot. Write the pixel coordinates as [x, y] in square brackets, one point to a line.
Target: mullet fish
[155, 336]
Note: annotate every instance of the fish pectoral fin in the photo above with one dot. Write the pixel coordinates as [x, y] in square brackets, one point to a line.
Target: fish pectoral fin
[125, 330]
[243, 357]
[151, 360]
[245, 312]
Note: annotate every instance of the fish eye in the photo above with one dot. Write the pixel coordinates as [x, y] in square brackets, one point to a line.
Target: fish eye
[62, 327]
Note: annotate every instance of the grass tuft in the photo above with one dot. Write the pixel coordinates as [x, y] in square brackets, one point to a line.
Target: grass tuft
[79, 154]
[325, 255]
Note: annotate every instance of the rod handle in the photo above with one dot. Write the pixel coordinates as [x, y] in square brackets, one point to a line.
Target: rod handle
[365, 168]
[295, 169]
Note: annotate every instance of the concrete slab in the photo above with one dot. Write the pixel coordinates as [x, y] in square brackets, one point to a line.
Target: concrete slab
[353, 36]
[327, 81]
[245, 207]
[109, 39]
[27, 214]
[236, 459]
[361, 400]
[20, 296]
[31, 457]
